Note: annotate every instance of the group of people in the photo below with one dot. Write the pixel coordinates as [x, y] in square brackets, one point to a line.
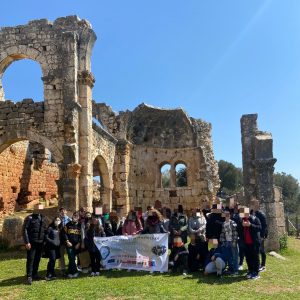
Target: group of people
[214, 239]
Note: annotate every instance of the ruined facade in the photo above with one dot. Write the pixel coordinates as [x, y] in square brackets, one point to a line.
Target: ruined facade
[258, 170]
[126, 150]
[148, 138]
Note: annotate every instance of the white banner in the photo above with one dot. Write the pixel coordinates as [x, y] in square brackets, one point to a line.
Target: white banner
[147, 252]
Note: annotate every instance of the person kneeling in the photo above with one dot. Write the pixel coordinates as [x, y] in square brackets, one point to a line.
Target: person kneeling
[216, 259]
[179, 256]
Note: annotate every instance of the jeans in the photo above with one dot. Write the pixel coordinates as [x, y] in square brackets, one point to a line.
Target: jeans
[252, 258]
[72, 268]
[216, 266]
[51, 262]
[33, 259]
[95, 260]
[263, 253]
[232, 255]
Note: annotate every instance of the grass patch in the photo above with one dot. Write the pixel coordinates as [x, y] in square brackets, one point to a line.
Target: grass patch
[281, 280]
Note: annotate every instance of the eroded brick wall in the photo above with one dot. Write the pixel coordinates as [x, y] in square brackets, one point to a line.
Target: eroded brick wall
[25, 178]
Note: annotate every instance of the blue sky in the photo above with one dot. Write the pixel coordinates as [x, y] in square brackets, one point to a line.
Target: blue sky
[216, 59]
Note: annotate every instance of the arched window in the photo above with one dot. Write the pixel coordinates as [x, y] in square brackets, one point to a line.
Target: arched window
[22, 79]
[181, 176]
[101, 183]
[165, 175]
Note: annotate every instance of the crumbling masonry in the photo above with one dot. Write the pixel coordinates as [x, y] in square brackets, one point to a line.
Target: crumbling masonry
[87, 139]
[53, 149]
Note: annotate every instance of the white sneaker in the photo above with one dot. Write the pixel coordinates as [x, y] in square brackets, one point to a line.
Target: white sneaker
[75, 275]
[70, 275]
[184, 274]
[79, 269]
[241, 268]
[93, 274]
[97, 274]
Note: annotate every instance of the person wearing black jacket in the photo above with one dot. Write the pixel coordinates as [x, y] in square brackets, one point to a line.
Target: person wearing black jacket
[34, 230]
[94, 229]
[52, 246]
[179, 256]
[72, 238]
[214, 222]
[252, 227]
[263, 233]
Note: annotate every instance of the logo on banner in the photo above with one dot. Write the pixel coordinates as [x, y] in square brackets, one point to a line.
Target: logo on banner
[105, 251]
[159, 250]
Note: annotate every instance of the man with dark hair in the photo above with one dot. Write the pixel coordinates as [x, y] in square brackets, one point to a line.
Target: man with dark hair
[34, 231]
[263, 232]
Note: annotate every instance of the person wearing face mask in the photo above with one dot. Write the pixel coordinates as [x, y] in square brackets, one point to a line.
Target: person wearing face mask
[72, 238]
[52, 246]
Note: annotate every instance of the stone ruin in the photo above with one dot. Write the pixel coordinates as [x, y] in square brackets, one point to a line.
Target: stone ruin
[258, 171]
[71, 148]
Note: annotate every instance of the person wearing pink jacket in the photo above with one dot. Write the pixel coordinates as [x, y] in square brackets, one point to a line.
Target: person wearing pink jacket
[132, 224]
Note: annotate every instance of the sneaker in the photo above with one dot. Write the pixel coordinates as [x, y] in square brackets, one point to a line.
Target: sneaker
[248, 275]
[241, 268]
[93, 274]
[219, 276]
[70, 275]
[262, 268]
[75, 275]
[79, 269]
[255, 276]
[29, 280]
[48, 278]
[184, 273]
[97, 274]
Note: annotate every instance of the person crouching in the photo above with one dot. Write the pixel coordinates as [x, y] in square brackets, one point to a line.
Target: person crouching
[216, 259]
[179, 256]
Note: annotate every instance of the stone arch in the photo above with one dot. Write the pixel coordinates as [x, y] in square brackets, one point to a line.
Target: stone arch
[160, 174]
[14, 53]
[14, 136]
[183, 180]
[100, 168]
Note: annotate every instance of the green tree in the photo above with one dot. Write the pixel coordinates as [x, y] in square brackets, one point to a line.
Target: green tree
[290, 191]
[181, 179]
[231, 177]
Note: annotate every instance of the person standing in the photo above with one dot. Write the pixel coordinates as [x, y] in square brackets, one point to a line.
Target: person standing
[72, 238]
[263, 232]
[64, 220]
[229, 239]
[34, 231]
[252, 227]
[52, 246]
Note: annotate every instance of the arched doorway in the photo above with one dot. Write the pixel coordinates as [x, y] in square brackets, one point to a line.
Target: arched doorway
[102, 193]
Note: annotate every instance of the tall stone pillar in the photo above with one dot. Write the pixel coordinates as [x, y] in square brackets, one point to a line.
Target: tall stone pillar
[258, 171]
[85, 85]
[248, 130]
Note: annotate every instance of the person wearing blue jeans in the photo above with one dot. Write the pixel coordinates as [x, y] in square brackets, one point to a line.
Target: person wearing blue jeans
[229, 241]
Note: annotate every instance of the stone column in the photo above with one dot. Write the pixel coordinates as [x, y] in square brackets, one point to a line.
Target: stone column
[265, 195]
[172, 176]
[248, 131]
[85, 85]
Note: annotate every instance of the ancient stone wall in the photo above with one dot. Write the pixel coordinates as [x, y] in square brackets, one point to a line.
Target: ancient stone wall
[150, 137]
[258, 171]
[25, 177]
